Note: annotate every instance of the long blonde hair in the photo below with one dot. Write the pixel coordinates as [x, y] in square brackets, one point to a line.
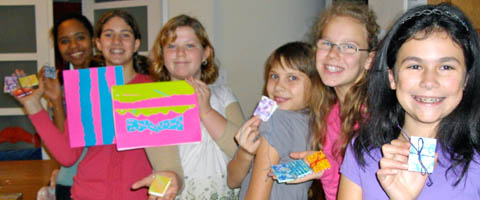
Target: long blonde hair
[352, 110]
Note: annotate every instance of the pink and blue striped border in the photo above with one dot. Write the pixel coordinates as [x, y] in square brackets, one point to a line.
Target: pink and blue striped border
[89, 104]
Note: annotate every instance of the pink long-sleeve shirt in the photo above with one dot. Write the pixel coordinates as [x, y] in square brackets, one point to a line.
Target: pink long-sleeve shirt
[104, 172]
[331, 177]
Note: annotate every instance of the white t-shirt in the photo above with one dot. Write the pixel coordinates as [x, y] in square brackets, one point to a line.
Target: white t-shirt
[205, 164]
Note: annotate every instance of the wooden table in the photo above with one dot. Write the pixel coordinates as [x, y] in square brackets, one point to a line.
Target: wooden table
[26, 176]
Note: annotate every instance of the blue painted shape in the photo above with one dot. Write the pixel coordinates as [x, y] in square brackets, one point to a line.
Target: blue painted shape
[106, 110]
[86, 107]
[134, 125]
[159, 92]
[119, 75]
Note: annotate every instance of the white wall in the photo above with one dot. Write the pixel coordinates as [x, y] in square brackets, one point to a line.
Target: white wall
[245, 32]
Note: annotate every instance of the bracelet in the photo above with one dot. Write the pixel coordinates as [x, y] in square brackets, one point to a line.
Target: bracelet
[206, 113]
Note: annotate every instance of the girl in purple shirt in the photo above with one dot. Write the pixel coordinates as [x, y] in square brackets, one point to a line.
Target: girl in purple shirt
[424, 82]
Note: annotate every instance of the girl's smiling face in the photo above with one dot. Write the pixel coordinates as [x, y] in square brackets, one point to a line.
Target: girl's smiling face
[429, 77]
[288, 87]
[336, 69]
[117, 42]
[74, 43]
[184, 56]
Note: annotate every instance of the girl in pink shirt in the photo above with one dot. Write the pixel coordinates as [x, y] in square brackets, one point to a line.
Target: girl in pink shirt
[104, 173]
[345, 36]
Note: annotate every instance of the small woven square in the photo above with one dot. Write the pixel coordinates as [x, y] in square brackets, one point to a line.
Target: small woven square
[290, 171]
[265, 108]
[10, 84]
[29, 81]
[427, 147]
[318, 161]
[159, 186]
[50, 71]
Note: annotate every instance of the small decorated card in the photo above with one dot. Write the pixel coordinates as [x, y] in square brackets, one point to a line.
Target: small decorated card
[159, 186]
[265, 108]
[10, 84]
[30, 81]
[425, 149]
[14, 87]
[50, 71]
[318, 161]
[290, 171]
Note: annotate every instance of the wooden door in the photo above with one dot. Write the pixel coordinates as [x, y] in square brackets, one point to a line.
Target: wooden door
[467, 6]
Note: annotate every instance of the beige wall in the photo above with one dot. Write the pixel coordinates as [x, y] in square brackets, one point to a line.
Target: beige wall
[245, 32]
[387, 11]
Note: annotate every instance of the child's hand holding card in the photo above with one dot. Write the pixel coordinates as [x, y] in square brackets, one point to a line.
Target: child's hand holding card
[265, 108]
[30, 81]
[318, 161]
[10, 84]
[50, 71]
[20, 86]
[159, 185]
[422, 154]
[286, 172]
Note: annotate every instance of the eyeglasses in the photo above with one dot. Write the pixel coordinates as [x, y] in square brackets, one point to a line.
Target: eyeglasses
[344, 48]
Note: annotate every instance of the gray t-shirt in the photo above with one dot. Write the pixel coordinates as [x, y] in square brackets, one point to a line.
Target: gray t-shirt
[286, 131]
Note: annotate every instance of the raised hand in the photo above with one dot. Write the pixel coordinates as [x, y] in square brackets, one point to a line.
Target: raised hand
[172, 190]
[203, 95]
[393, 175]
[53, 90]
[247, 135]
[31, 102]
[312, 176]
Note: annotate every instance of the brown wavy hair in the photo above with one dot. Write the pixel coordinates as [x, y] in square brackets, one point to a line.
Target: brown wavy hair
[157, 68]
[352, 110]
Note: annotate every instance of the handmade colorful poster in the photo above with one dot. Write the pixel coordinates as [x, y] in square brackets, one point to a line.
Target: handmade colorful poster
[155, 114]
[89, 104]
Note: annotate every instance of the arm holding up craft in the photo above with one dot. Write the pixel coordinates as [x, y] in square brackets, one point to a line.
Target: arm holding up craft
[53, 93]
[183, 52]
[222, 129]
[56, 141]
[241, 162]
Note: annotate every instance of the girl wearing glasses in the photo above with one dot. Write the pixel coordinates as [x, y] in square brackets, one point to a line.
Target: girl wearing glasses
[345, 36]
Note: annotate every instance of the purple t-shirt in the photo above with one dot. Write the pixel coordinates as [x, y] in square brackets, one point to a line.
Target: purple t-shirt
[442, 188]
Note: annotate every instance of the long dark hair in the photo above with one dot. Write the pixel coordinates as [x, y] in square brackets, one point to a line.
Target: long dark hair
[458, 132]
[54, 33]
